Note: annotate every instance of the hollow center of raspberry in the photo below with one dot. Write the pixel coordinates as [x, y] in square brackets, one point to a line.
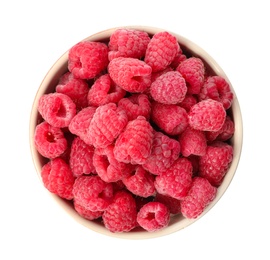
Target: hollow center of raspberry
[61, 111]
[50, 137]
[150, 216]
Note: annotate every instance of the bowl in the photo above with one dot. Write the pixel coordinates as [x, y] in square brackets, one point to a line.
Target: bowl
[177, 222]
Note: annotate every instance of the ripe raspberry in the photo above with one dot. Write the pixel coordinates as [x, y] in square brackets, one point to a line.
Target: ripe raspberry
[161, 51]
[165, 151]
[207, 115]
[58, 178]
[172, 119]
[87, 59]
[86, 213]
[153, 216]
[128, 43]
[57, 109]
[192, 69]
[104, 91]
[176, 181]
[156, 74]
[131, 74]
[172, 204]
[76, 89]
[217, 88]
[92, 193]
[200, 195]
[169, 88]
[188, 102]
[106, 124]
[134, 144]
[215, 163]
[49, 141]
[180, 56]
[81, 158]
[120, 216]
[140, 182]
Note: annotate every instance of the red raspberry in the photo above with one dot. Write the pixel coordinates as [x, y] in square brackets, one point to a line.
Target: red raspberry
[120, 216]
[81, 157]
[57, 109]
[188, 102]
[58, 178]
[165, 151]
[192, 69]
[136, 105]
[161, 51]
[207, 115]
[106, 124]
[140, 182]
[107, 167]
[128, 43]
[215, 163]
[217, 88]
[176, 181]
[104, 91]
[131, 74]
[180, 56]
[156, 74]
[172, 119]
[76, 89]
[172, 204]
[200, 195]
[87, 59]
[135, 143]
[169, 88]
[49, 141]
[86, 213]
[153, 216]
[92, 193]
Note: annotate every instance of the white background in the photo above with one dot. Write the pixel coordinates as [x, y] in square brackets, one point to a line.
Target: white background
[34, 34]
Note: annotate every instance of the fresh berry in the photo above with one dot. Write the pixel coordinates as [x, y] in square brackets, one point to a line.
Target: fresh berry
[200, 195]
[104, 91]
[188, 102]
[57, 109]
[87, 59]
[161, 50]
[207, 115]
[58, 178]
[49, 141]
[128, 43]
[153, 216]
[172, 204]
[165, 151]
[134, 144]
[131, 74]
[86, 213]
[172, 119]
[157, 74]
[169, 88]
[121, 214]
[176, 181]
[215, 163]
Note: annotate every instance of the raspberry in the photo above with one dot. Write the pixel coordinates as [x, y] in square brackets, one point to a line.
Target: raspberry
[172, 204]
[76, 89]
[57, 109]
[58, 178]
[180, 56]
[120, 216]
[131, 74]
[106, 124]
[140, 182]
[92, 193]
[49, 141]
[107, 167]
[217, 88]
[188, 102]
[193, 141]
[86, 213]
[169, 88]
[87, 59]
[128, 43]
[200, 195]
[207, 115]
[104, 91]
[134, 144]
[153, 216]
[161, 51]
[192, 69]
[156, 74]
[215, 163]
[165, 151]
[172, 119]
[81, 157]
[176, 181]
[136, 105]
